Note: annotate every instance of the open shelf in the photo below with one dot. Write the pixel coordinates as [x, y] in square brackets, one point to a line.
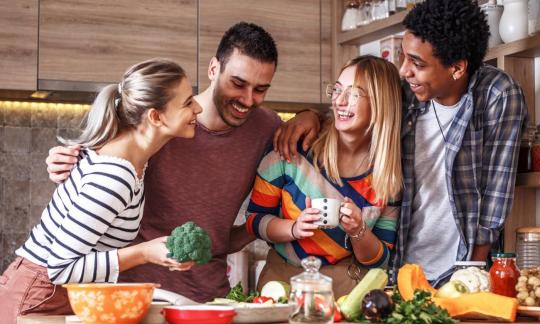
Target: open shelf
[528, 180]
[528, 47]
[375, 30]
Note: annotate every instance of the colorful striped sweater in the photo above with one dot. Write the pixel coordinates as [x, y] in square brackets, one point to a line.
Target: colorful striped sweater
[280, 190]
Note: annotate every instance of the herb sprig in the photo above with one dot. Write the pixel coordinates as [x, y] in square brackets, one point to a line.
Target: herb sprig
[237, 293]
[419, 310]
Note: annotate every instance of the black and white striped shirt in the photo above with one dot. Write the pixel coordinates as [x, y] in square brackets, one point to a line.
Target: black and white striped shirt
[97, 210]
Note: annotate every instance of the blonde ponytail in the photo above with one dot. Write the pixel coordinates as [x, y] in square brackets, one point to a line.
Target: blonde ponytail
[118, 106]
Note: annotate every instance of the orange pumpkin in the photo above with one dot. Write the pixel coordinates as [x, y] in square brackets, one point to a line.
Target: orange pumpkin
[481, 305]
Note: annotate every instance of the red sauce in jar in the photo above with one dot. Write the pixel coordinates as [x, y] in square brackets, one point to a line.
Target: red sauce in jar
[504, 274]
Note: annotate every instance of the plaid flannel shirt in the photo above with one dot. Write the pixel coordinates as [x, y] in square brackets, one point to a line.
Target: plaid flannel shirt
[482, 147]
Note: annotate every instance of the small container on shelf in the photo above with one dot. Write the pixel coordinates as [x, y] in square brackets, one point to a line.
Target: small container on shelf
[348, 22]
[525, 151]
[535, 152]
[379, 9]
[528, 247]
[363, 16]
[401, 5]
[504, 274]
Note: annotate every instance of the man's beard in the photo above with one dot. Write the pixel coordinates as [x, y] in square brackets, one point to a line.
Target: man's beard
[221, 102]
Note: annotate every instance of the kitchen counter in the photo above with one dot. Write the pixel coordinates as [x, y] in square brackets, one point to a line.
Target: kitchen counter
[34, 319]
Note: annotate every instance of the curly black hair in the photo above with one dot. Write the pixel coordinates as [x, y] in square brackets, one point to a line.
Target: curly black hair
[251, 40]
[457, 29]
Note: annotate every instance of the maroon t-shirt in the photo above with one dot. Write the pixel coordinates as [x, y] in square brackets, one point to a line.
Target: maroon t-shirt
[204, 180]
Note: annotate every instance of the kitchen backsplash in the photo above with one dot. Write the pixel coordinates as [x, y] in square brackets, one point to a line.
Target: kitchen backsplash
[27, 132]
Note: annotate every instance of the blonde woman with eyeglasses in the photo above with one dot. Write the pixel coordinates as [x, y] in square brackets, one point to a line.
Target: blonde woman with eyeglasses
[357, 160]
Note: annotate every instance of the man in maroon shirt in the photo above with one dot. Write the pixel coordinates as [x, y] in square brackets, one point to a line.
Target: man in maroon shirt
[207, 178]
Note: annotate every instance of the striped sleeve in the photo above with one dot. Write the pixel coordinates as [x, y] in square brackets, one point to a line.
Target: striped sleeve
[265, 201]
[73, 257]
[384, 229]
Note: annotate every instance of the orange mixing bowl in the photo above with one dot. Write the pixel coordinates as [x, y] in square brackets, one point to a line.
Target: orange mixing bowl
[122, 303]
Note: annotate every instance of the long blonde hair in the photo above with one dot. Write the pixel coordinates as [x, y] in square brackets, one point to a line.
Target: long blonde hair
[384, 91]
[119, 106]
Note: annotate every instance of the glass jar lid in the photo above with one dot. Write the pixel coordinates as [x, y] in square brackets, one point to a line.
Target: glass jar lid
[311, 279]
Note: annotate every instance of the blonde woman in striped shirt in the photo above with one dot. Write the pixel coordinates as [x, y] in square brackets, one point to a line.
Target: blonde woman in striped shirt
[96, 212]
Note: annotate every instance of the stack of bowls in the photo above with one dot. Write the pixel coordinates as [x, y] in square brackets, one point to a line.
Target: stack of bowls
[528, 247]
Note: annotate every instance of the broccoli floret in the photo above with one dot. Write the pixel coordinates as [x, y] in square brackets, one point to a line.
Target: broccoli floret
[189, 242]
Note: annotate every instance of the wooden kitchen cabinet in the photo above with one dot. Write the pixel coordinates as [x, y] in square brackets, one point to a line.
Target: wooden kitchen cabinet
[303, 66]
[97, 40]
[18, 44]
[515, 58]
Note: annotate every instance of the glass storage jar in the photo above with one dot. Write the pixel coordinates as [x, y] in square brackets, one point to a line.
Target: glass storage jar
[504, 274]
[311, 295]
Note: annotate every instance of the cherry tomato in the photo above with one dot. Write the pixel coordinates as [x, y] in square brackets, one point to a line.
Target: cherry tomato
[337, 313]
[263, 300]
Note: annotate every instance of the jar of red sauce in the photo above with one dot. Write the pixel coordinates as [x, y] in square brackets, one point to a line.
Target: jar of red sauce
[504, 274]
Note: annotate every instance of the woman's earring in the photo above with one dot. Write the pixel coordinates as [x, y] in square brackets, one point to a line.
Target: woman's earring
[454, 77]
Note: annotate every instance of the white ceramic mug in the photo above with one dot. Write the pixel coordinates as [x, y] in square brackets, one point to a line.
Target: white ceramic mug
[329, 208]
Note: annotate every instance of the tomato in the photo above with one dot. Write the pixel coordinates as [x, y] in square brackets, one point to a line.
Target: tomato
[337, 313]
[263, 300]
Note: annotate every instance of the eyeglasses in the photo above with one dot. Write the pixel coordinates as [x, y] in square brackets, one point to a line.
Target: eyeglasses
[351, 95]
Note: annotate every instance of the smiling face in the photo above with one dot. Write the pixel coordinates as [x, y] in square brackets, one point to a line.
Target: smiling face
[179, 115]
[240, 87]
[352, 109]
[427, 76]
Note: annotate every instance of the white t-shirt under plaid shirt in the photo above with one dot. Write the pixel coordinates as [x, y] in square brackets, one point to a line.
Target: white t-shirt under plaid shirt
[97, 210]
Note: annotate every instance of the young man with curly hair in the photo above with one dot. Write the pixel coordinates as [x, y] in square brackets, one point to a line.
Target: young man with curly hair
[460, 136]
[460, 139]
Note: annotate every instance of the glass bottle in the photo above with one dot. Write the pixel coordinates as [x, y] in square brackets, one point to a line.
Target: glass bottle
[348, 21]
[535, 152]
[391, 7]
[504, 274]
[411, 4]
[401, 5]
[525, 152]
[363, 17]
[311, 295]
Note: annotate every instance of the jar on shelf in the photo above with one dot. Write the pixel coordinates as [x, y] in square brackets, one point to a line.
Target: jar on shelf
[514, 23]
[391, 7]
[534, 16]
[493, 13]
[525, 151]
[363, 16]
[348, 22]
[401, 5]
[504, 274]
[379, 9]
[535, 152]
[528, 247]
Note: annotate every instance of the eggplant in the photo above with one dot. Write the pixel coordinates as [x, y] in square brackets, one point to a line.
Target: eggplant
[377, 305]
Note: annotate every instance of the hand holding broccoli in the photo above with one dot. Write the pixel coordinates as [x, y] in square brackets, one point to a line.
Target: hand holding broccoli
[189, 242]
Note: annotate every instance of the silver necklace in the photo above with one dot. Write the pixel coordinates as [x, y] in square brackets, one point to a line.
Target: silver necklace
[438, 121]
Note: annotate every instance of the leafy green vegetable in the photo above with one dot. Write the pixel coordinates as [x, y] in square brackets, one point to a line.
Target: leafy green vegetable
[419, 310]
[189, 242]
[237, 293]
[283, 300]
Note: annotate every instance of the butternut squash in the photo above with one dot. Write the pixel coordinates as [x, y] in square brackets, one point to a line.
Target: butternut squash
[481, 305]
[410, 278]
